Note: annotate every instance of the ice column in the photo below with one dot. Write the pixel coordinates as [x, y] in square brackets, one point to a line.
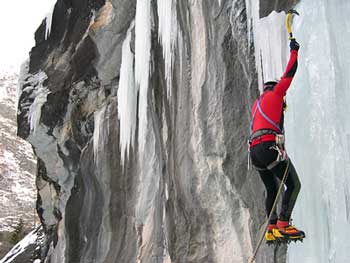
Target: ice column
[142, 62]
[99, 132]
[167, 35]
[127, 98]
[271, 47]
[40, 95]
[49, 22]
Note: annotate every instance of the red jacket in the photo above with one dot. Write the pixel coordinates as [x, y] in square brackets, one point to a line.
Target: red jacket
[271, 103]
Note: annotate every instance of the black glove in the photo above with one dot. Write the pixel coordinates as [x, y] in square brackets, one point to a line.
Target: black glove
[294, 45]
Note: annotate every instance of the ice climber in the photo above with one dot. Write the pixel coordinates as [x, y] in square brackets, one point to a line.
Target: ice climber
[268, 154]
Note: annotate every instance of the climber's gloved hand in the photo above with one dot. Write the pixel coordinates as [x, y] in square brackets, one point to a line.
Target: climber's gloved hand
[294, 45]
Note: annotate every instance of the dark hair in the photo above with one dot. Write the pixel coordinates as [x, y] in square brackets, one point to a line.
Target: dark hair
[269, 85]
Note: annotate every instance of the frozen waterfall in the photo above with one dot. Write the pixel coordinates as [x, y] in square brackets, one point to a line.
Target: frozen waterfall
[317, 121]
[141, 142]
[319, 131]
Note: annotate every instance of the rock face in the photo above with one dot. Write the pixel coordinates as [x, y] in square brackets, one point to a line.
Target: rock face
[267, 6]
[138, 112]
[17, 162]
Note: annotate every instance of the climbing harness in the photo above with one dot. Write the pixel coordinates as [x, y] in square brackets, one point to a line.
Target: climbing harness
[260, 133]
[281, 156]
[280, 139]
[273, 208]
[279, 147]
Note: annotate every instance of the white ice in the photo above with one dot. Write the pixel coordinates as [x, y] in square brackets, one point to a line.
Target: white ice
[127, 98]
[98, 131]
[40, 95]
[317, 120]
[318, 128]
[271, 47]
[167, 31]
[142, 63]
[48, 21]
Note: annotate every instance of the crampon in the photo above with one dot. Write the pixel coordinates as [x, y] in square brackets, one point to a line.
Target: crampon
[286, 235]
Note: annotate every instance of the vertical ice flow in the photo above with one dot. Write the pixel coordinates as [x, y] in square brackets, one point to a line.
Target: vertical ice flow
[142, 62]
[127, 98]
[317, 120]
[319, 131]
[48, 21]
[99, 130]
[271, 47]
[40, 95]
[167, 35]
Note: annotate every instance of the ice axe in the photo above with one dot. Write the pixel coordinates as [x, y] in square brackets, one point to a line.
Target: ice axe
[290, 14]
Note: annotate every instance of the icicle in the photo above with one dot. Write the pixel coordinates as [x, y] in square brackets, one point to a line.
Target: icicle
[271, 49]
[40, 94]
[49, 22]
[127, 98]
[142, 62]
[98, 129]
[167, 35]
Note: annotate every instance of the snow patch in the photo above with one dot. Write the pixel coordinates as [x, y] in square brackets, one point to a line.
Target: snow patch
[17, 187]
[3, 93]
[21, 246]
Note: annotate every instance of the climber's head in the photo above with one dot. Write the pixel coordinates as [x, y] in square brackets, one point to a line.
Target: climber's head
[269, 85]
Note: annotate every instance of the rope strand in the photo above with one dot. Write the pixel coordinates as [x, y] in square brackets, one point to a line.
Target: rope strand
[269, 217]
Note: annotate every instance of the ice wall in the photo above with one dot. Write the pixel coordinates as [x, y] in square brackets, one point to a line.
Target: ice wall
[317, 122]
[270, 43]
[318, 128]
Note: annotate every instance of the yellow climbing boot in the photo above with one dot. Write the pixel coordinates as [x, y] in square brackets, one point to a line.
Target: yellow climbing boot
[285, 231]
[269, 237]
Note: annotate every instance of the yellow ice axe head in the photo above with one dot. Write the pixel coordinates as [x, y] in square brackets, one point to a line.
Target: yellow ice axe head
[290, 14]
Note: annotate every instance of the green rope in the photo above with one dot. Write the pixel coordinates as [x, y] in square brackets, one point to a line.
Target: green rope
[273, 208]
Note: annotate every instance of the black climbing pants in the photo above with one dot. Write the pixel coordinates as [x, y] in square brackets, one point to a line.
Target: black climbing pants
[262, 155]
